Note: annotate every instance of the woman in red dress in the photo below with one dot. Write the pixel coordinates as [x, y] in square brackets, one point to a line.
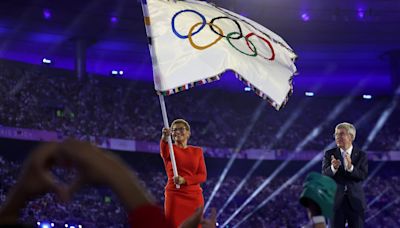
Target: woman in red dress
[181, 203]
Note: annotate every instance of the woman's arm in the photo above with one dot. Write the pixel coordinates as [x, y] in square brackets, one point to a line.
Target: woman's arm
[164, 143]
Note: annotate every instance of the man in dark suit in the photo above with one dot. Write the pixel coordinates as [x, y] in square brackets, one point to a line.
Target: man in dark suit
[348, 166]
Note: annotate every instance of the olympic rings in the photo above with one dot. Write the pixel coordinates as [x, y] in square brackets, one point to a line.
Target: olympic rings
[237, 24]
[207, 46]
[231, 35]
[187, 10]
[269, 44]
[247, 41]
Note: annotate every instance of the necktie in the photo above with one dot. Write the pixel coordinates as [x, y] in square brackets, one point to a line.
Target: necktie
[341, 160]
[344, 160]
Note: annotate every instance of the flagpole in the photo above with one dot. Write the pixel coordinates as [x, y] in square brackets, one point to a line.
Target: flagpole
[166, 125]
[160, 96]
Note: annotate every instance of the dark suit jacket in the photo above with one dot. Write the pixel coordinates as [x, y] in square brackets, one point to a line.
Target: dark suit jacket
[353, 180]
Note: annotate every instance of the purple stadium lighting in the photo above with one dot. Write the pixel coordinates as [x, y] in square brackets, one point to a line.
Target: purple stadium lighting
[45, 224]
[305, 17]
[360, 13]
[47, 14]
[244, 14]
[114, 20]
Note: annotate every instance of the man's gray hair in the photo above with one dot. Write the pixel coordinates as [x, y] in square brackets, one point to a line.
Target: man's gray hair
[349, 128]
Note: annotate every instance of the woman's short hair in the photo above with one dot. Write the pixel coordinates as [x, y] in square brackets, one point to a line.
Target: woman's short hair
[181, 121]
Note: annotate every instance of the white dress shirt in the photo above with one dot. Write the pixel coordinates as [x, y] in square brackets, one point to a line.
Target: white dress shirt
[342, 152]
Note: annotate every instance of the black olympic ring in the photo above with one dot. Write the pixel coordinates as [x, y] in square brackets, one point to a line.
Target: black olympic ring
[237, 24]
[228, 37]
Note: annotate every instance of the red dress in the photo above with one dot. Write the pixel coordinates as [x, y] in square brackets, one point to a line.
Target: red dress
[146, 216]
[182, 203]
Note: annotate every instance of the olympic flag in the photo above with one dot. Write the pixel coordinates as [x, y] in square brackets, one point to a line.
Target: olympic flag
[193, 42]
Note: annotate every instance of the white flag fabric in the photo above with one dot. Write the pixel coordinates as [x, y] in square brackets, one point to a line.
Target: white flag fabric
[193, 42]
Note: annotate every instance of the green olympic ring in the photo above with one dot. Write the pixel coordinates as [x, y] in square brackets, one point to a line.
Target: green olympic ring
[228, 37]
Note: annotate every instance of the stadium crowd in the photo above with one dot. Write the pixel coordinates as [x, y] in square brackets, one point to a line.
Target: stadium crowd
[99, 207]
[44, 98]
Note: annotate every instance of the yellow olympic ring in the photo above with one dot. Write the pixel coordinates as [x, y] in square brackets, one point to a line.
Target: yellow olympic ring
[206, 46]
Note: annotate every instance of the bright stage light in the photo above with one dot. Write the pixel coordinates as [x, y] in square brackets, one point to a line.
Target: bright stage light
[46, 61]
[367, 96]
[305, 17]
[47, 14]
[117, 72]
[309, 94]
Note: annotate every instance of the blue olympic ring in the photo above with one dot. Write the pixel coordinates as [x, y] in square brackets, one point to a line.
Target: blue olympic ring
[187, 10]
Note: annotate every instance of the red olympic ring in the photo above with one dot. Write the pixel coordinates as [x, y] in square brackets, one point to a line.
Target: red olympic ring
[269, 45]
